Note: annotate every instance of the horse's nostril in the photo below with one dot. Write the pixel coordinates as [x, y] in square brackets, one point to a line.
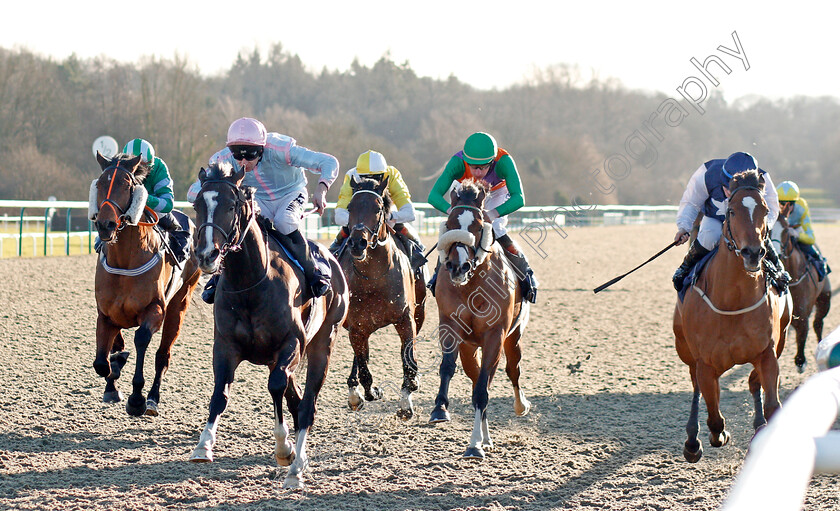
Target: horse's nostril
[449, 265]
[465, 267]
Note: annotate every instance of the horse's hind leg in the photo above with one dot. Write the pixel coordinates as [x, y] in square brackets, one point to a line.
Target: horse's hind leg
[755, 389]
[707, 378]
[800, 325]
[447, 371]
[513, 355]
[419, 304]
[318, 352]
[293, 398]
[117, 360]
[406, 331]
[136, 404]
[175, 312]
[821, 309]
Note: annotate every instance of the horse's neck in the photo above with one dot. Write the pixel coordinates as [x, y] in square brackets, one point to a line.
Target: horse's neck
[135, 245]
[250, 260]
[728, 283]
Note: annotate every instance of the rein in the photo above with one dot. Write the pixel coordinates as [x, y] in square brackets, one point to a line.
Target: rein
[730, 240]
[374, 233]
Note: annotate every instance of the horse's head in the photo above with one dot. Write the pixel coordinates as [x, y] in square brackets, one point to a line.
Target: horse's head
[367, 213]
[117, 197]
[466, 239]
[223, 212]
[745, 226]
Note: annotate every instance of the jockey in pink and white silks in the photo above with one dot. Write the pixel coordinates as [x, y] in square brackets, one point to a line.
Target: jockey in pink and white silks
[708, 191]
[274, 166]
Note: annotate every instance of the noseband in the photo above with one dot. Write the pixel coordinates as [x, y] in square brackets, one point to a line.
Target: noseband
[374, 240]
[229, 245]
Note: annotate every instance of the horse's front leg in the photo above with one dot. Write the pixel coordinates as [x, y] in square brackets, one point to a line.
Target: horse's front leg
[754, 382]
[480, 439]
[405, 329]
[224, 367]
[768, 373]
[117, 359]
[174, 318]
[447, 371]
[800, 326]
[707, 379]
[278, 382]
[361, 354]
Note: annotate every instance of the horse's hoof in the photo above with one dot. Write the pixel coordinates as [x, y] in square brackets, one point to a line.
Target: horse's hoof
[474, 453]
[487, 445]
[285, 462]
[356, 406]
[405, 413]
[201, 455]
[151, 408]
[800, 368]
[375, 394]
[722, 439]
[693, 456]
[522, 409]
[135, 406]
[439, 415]
[115, 396]
[292, 482]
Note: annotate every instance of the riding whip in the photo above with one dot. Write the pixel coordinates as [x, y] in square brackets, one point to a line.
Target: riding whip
[613, 281]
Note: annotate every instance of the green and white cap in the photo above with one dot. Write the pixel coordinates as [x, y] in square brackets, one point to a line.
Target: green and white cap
[140, 147]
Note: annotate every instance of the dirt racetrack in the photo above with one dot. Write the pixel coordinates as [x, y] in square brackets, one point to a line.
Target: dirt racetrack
[610, 401]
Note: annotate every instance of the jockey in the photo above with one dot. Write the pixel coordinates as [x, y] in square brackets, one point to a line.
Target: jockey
[483, 159]
[274, 165]
[795, 209]
[161, 198]
[371, 164]
[707, 191]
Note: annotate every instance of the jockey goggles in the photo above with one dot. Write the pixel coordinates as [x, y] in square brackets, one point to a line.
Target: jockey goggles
[246, 152]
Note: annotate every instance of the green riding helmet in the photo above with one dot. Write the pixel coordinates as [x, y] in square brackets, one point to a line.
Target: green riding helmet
[480, 148]
[140, 147]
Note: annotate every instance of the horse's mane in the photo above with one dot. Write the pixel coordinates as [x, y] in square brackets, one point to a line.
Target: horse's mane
[142, 171]
[469, 191]
[366, 183]
[748, 179]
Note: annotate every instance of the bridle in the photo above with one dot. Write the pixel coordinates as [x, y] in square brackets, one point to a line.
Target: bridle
[479, 251]
[234, 238]
[374, 240]
[118, 210]
[727, 236]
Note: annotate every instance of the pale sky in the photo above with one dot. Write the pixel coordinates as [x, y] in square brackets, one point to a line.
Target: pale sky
[791, 49]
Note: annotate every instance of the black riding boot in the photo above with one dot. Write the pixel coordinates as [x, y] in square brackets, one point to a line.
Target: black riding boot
[527, 280]
[816, 258]
[299, 248]
[433, 279]
[695, 252]
[781, 276]
[340, 238]
[179, 238]
[413, 248]
[209, 293]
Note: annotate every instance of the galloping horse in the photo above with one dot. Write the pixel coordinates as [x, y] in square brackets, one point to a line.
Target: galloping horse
[261, 315]
[136, 284]
[383, 291]
[732, 315]
[807, 290]
[481, 306]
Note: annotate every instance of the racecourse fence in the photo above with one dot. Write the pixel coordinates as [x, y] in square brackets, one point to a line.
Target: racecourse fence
[32, 228]
[796, 443]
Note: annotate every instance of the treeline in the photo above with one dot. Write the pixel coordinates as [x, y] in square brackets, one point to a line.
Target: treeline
[573, 140]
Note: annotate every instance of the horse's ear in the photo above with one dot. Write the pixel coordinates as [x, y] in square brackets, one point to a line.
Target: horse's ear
[453, 196]
[761, 182]
[133, 163]
[239, 176]
[103, 161]
[726, 192]
[383, 185]
[202, 175]
[482, 194]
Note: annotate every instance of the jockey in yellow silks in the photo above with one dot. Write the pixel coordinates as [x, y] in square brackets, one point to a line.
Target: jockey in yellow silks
[795, 209]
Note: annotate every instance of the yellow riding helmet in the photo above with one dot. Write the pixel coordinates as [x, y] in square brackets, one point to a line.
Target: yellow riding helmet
[788, 191]
[371, 162]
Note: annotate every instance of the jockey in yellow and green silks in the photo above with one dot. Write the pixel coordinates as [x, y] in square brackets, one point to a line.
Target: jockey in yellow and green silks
[798, 215]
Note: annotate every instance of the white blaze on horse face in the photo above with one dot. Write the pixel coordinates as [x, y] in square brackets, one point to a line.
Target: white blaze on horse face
[210, 200]
[750, 204]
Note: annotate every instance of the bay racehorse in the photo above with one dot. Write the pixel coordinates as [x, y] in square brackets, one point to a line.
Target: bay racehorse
[480, 305]
[809, 293]
[383, 291]
[137, 283]
[261, 315]
[733, 315]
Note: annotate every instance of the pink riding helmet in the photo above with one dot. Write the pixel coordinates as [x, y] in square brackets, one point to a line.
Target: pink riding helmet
[246, 131]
